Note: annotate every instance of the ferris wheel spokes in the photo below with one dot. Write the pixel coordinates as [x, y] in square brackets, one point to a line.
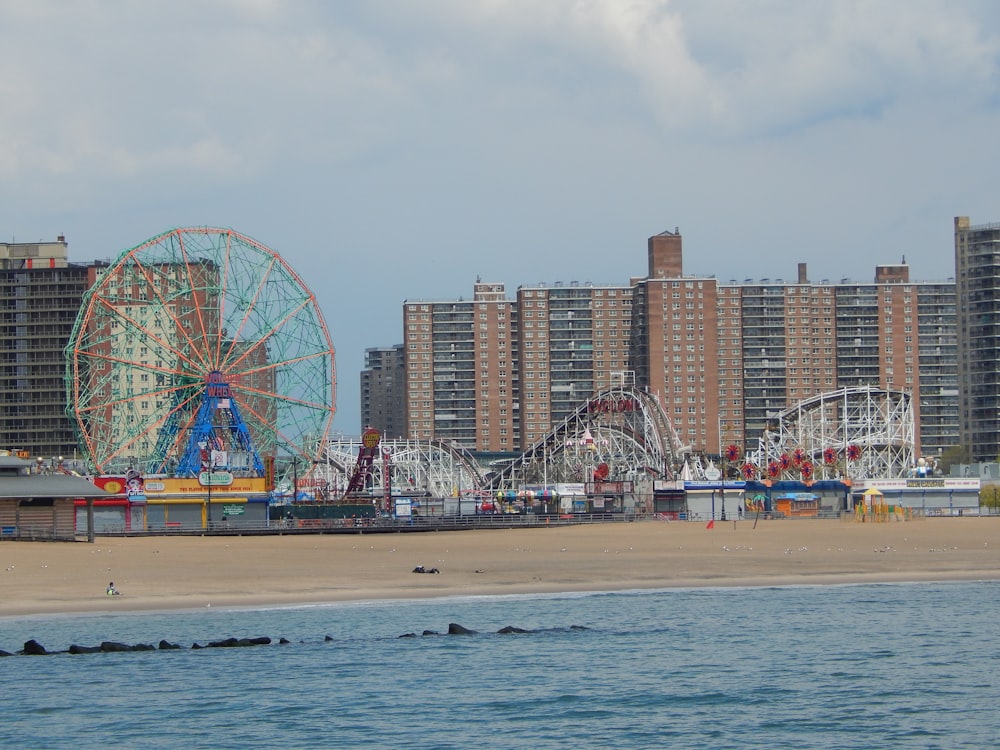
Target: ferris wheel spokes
[177, 308]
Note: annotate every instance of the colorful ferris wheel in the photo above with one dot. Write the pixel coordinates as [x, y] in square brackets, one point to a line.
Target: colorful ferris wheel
[200, 349]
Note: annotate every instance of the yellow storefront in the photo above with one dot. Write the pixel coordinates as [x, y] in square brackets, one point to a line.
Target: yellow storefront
[173, 503]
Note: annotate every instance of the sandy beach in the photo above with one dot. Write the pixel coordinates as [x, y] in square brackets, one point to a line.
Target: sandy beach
[163, 573]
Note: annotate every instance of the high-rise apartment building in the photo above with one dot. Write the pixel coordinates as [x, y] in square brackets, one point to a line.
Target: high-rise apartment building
[573, 341]
[382, 393]
[938, 376]
[461, 370]
[675, 347]
[802, 339]
[724, 358]
[40, 294]
[977, 279]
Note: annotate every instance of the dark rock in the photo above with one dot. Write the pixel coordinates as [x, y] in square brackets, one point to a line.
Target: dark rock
[283, 641]
[507, 629]
[327, 638]
[74, 649]
[33, 648]
[195, 646]
[578, 627]
[144, 647]
[431, 632]
[240, 642]
[114, 646]
[407, 635]
[456, 629]
[5, 653]
[167, 646]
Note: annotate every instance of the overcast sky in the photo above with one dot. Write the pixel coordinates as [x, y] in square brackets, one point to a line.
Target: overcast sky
[393, 150]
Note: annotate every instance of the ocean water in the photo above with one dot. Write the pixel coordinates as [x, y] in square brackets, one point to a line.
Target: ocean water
[872, 666]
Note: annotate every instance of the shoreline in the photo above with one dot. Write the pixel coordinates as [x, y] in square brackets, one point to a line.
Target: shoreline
[163, 574]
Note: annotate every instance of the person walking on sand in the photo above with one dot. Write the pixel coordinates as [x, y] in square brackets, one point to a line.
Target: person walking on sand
[112, 591]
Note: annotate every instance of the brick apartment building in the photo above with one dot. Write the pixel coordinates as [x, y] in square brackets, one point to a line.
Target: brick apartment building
[495, 374]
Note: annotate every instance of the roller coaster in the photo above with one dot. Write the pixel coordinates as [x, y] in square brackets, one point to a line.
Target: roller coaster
[619, 435]
[852, 433]
[623, 435]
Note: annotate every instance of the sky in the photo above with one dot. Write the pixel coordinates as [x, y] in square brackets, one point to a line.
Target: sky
[392, 150]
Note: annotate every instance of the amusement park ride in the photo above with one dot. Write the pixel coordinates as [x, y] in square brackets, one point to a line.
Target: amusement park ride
[201, 349]
[621, 441]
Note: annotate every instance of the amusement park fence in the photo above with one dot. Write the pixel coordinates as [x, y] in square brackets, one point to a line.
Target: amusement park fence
[372, 525]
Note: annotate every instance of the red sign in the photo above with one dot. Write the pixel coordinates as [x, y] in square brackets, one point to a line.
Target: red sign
[613, 404]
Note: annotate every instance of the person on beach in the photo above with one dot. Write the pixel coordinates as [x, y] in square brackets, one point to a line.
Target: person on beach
[112, 591]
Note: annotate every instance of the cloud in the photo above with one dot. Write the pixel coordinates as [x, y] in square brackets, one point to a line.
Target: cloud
[230, 87]
[219, 89]
[393, 149]
[740, 69]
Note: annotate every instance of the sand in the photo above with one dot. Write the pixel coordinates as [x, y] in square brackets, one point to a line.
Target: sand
[168, 573]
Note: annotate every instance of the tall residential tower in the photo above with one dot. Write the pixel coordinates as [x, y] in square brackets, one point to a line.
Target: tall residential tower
[977, 279]
[40, 296]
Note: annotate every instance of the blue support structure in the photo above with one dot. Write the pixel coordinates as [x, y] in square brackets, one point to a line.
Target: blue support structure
[218, 426]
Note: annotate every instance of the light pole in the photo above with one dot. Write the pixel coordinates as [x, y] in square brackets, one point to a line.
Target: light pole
[722, 488]
[208, 520]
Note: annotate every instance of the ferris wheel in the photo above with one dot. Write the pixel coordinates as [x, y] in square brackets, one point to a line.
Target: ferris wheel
[200, 349]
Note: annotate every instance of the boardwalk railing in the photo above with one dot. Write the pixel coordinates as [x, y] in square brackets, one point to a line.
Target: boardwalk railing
[367, 525]
[24, 533]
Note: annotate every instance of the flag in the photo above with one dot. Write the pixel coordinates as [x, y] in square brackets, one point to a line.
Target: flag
[710, 524]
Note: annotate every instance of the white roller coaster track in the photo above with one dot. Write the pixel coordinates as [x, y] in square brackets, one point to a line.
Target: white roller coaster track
[859, 433]
[623, 428]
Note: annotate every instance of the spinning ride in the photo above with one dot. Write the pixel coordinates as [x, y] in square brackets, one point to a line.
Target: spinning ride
[200, 348]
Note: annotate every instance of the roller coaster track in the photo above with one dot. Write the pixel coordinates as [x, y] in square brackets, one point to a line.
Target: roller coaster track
[621, 432]
[860, 433]
[622, 428]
